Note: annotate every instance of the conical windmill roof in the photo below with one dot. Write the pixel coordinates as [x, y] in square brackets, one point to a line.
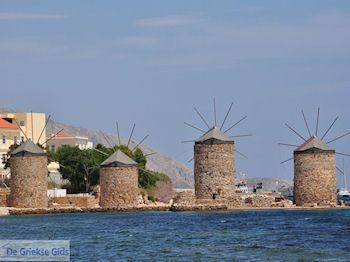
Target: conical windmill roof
[119, 159]
[313, 143]
[28, 148]
[214, 135]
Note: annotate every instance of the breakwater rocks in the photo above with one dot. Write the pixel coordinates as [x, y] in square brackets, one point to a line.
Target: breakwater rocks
[42, 211]
[187, 201]
[4, 211]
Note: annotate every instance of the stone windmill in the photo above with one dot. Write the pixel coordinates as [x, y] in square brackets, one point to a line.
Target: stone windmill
[214, 165]
[314, 167]
[119, 177]
[29, 173]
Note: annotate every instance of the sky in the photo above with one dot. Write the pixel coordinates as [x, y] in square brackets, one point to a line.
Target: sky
[92, 63]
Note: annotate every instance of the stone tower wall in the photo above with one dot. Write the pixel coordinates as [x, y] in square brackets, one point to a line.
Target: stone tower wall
[119, 187]
[214, 170]
[28, 182]
[314, 178]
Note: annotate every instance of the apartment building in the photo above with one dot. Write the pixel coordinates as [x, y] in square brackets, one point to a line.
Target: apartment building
[63, 139]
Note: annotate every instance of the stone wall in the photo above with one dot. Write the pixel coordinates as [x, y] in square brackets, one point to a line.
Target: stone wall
[163, 191]
[259, 200]
[74, 201]
[214, 170]
[185, 198]
[119, 187]
[314, 178]
[28, 182]
[3, 196]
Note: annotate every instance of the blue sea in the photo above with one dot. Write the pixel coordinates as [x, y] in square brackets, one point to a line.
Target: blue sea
[274, 235]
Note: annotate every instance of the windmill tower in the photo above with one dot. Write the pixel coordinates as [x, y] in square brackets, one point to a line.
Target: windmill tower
[29, 173]
[118, 181]
[119, 178]
[214, 165]
[314, 167]
[28, 177]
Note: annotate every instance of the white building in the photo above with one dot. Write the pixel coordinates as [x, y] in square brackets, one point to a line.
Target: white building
[65, 139]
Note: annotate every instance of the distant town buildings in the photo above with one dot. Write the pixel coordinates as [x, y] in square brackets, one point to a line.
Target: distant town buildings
[32, 126]
[65, 139]
[16, 128]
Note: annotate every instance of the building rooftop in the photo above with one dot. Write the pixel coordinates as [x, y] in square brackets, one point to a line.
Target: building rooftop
[119, 159]
[28, 148]
[7, 125]
[214, 134]
[63, 134]
[313, 143]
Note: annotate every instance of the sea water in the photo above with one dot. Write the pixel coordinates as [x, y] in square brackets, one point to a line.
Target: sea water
[274, 235]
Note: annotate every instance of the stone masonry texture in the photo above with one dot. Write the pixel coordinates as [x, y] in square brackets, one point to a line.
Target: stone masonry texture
[4, 192]
[314, 178]
[119, 187]
[214, 170]
[28, 182]
[75, 201]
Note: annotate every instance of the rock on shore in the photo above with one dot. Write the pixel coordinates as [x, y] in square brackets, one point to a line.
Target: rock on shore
[4, 211]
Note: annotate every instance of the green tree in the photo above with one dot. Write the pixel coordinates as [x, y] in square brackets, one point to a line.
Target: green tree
[6, 158]
[80, 167]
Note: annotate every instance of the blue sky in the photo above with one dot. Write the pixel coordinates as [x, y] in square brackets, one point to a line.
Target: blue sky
[90, 63]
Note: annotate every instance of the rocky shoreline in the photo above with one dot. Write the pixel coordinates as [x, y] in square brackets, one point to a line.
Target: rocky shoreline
[8, 211]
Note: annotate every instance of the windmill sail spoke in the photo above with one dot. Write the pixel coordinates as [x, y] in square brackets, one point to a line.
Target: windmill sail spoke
[32, 122]
[187, 124]
[241, 154]
[189, 161]
[339, 137]
[21, 129]
[151, 154]
[307, 125]
[188, 141]
[284, 144]
[318, 118]
[241, 136]
[236, 124]
[52, 137]
[335, 120]
[228, 112]
[342, 154]
[341, 171]
[103, 153]
[214, 112]
[119, 143]
[295, 132]
[132, 132]
[285, 161]
[42, 131]
[200, 115]
[107, 140]
[140, 143]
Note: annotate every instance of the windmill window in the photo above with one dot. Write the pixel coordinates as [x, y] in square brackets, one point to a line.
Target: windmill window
[53, 147]
[4, 139]
[15, 139]
[22, 139]
[21, 123]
